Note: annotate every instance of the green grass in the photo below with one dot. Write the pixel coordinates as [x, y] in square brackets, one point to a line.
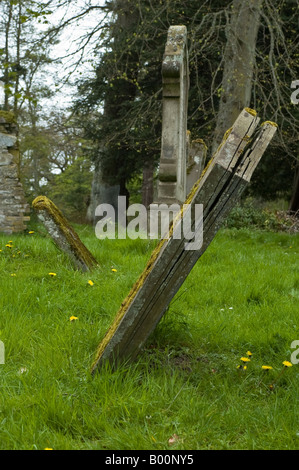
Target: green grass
[242, 295]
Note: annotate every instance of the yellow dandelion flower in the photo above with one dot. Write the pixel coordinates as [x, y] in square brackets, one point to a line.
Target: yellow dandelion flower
[90, 283]
[13, 275]
[8, 245]
[72, 318]
[114, 270]
[31, 231]
[267, 367]
[249, 354]
[245, 359]
[287, 364]
[52, 274]
[48, 448]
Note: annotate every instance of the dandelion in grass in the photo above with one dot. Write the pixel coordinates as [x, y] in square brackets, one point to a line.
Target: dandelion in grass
[73, 318]
[286, 365]
[114, 270]
[90, 283]
[8, 245]
[267, 368]
[48, 448]
[249, 354]
[13, 275]
[52, 274]
[31, 232]
[245, 359]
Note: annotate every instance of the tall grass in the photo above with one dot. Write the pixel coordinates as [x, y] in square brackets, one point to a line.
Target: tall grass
[242, 295]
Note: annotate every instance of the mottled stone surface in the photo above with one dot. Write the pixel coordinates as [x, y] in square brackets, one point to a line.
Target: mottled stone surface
[63, 234]
[13, 205]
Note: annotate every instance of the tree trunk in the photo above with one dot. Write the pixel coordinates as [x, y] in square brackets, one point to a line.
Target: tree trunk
[294, 204]
[17, 65]
[110, 172]
[6, 72]
[239, 60]
[148, 184]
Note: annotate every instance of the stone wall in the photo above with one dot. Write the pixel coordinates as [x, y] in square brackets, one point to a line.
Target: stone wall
[13, 205]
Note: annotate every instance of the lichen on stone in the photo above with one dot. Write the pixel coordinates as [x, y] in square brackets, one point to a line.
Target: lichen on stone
[270, 122]
[8, 116]
[62, 232]
[251, 111]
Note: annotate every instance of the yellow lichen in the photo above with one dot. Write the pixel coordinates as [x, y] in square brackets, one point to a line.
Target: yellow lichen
[200, 141]
[251, 111]
[42, 203]
[127, 302]
[270, 122]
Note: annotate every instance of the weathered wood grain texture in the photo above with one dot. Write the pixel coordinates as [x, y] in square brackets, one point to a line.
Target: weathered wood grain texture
[63, 234]
[218, 189]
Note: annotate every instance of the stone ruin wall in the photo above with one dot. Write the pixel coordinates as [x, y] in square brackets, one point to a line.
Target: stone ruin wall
[13, 205]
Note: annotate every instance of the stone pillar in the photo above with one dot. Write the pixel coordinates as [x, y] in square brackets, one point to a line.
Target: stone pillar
[175, 78]
[13, 205]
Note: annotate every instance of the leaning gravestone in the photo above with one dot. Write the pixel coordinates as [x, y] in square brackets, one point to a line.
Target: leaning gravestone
[63, 234]
[217, 191]
[13, 205]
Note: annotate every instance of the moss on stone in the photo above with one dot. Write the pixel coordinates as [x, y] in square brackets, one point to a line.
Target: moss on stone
[200, 141]
[8, 116]
[42, 204]
[251, 111]
[270, 122]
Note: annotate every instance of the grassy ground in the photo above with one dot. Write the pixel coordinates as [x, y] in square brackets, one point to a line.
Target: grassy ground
[242, 295]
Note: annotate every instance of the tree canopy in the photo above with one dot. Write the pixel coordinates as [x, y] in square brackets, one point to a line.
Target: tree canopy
[114, 68]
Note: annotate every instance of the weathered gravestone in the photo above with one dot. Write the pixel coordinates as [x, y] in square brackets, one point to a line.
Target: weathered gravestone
[63, 234]
[217, 191]
[13, 205]
[219, 188]
[182, 159]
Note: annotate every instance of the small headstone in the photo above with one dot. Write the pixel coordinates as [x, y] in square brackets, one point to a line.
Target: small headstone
[63, 234]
